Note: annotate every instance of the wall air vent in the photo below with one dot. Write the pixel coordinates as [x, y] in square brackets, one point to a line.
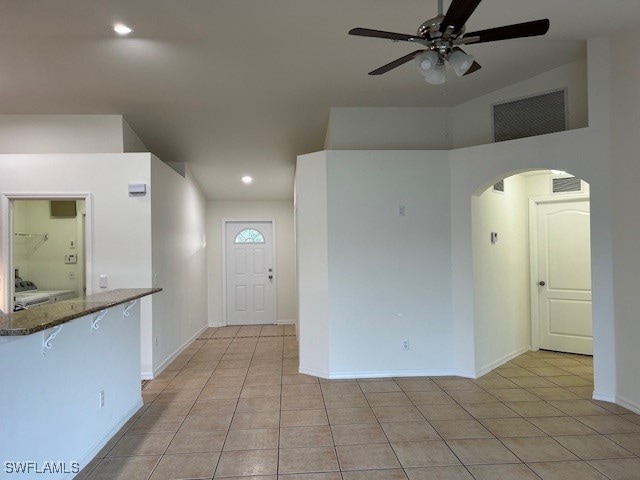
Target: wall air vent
[530, 116]
[499, 187]
[566, 185]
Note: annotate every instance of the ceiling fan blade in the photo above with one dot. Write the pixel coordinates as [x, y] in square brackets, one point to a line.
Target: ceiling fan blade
[475, 66]
[458, 14]
[395, 63]
[519, 30]
[367, 32]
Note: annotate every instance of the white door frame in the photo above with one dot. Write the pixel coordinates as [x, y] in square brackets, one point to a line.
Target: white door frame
[224, 262]
[6, 240]
[533, 257]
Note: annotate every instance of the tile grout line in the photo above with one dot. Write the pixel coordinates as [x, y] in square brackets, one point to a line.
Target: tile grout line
[226, 435]
[381, 427]
[190, 409]
[235, 410]
[333, 440]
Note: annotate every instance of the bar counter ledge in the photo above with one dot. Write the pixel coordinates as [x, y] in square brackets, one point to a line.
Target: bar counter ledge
[51, 315]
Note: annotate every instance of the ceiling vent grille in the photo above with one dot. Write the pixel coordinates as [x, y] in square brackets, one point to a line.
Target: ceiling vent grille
[566, 185]
[499, 187]
[530, 116]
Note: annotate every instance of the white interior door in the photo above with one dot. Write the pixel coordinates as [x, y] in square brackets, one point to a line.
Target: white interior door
[250, 273]
[564, 277]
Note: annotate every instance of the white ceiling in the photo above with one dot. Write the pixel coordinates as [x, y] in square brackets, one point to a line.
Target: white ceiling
[238, 87]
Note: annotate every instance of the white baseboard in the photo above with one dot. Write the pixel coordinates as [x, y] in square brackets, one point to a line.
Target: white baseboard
[628, 404]
[443, 372]
[313, 372]
[501, 361]
[605, 397]
[285, 321]
[157, 371]
[97, 446]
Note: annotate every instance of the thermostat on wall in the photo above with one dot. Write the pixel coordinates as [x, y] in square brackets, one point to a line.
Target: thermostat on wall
[137, 189]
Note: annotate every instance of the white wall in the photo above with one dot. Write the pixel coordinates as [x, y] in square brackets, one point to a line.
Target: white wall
[313, 264]
[67, 134]
[501, 273]
[471, 121]
[44, 264]
[282, 211]
[625, 124]
[388, 128]
[363, 190]
[386, 274]
[130, 140]
[179, 263]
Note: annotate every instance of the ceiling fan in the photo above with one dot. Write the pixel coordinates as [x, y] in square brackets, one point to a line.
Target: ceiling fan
[442, 36]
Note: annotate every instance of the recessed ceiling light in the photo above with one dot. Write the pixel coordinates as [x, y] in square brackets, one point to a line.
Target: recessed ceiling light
[122, 29]
[247, 179]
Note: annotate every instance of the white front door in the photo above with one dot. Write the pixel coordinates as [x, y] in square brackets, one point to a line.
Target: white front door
[564, 277]
[250, 273]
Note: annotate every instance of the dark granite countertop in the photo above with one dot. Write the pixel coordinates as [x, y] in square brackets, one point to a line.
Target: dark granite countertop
[50, 315]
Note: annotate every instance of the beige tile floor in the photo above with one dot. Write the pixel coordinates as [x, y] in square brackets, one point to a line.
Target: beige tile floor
[233, 406]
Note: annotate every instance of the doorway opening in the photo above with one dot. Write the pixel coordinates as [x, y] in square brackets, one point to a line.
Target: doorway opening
[532, 267]
[48, 249]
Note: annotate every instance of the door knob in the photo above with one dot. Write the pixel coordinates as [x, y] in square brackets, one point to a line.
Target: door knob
[270, 277]
[542, 283]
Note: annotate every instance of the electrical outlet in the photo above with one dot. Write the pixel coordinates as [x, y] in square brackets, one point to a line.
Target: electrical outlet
[405, 345]
[101, 398]
[72, 275]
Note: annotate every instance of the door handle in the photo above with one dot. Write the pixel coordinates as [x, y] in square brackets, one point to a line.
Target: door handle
[270, 277]
[542, 283]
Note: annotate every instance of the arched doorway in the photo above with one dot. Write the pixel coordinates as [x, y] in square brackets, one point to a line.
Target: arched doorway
[528, 225]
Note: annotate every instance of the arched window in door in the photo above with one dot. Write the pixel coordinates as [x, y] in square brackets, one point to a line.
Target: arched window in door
[249, 235]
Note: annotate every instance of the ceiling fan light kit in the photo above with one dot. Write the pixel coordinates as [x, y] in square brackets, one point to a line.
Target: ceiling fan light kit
[460, 61]
[442, 36]
[431, 65]
[425, 61]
